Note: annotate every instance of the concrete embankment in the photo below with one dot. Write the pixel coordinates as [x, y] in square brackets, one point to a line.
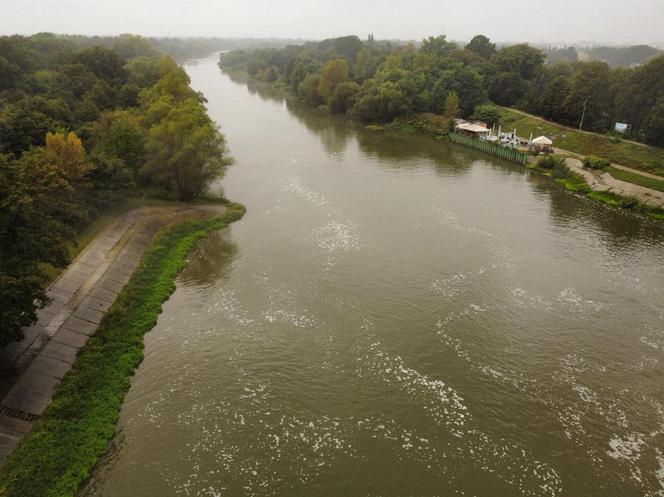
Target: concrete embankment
[33, 367]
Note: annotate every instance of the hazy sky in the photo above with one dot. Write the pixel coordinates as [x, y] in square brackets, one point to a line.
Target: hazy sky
[610, 21]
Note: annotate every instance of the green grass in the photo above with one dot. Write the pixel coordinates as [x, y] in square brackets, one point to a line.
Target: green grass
[637, 179]
[643, 158]
[57, 456]
[577, 184]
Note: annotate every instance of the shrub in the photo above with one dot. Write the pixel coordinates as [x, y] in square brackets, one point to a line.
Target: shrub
[592, 162]
[487, 113]
[547, 162]
[344, 97]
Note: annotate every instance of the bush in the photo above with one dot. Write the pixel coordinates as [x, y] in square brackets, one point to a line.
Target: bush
[487, 113]
[592, 162]
[549, 161]
[344, 97]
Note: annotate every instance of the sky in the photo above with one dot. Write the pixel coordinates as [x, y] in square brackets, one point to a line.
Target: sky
[559, 22]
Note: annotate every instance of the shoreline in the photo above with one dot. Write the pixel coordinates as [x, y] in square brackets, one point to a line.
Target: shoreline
[435, 126]
[57, 453]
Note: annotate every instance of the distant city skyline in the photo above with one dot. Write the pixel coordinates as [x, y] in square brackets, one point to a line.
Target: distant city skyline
[560, 22]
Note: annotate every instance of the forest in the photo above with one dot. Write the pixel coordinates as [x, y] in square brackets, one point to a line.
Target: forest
[375, 81]
[85, 122]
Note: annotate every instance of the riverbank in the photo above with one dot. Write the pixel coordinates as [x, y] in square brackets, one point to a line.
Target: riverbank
[639, 156]
[73, 432]
[609, 188]
[571, 174]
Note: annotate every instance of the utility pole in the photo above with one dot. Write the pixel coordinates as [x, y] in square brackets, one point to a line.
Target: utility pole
[583, 115]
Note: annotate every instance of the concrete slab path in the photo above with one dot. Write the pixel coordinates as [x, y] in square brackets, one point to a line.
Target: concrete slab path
[33, 367]
[603, 181]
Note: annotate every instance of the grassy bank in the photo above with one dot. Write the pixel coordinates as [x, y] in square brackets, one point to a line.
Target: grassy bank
[637, 179]
[641, 157]
[577, 184]
[73, 433]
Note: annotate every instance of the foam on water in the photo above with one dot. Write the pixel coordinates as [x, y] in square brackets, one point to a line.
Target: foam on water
[447, 408]
[338, 235]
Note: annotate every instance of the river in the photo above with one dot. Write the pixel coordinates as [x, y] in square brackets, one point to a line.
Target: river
[396, 316]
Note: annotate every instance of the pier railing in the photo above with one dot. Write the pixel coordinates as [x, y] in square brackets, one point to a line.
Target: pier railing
[490, 148]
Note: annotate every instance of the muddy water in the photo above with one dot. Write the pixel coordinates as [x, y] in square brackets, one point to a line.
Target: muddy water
[397, 316]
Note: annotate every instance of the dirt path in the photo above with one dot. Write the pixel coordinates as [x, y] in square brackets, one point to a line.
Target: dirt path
[603, 182]
[80, 296]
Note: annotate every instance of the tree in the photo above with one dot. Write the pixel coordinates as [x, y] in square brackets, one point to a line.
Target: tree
[487, 113]
[438, 46]
[522, 59]
[9, 74]
[119, 135]
[344, 97]
[186, 151]
[451, 110]
[380, 101]
[482, 46]
[308, 90]
[334, 73]
[654, 125]
[34, 212]
[508, 88]
[558, 55]
[104, 63]
[590, 89]
[551, 102]
[66, 152]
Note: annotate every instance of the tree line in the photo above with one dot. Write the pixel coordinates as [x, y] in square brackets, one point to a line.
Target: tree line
[81, 126]
[380, 81]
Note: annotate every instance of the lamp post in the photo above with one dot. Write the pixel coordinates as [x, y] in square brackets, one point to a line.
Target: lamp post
[583, 115]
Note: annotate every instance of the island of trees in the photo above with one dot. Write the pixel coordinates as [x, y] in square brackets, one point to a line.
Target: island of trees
[83, 124]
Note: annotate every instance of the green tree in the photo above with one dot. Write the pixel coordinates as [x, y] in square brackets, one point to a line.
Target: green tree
[380, 101]
[482, 46]
[438, 45]
[119, 135]
[551, 102]
[9, 74]
[334, 73]
[308, 90]
[344, 97]
[654, 125]
[185, 150]
[105, 64]
[508, 88]
[35, 224]
[522, 59]
[487, 113]
[590, 88]
[451, 109]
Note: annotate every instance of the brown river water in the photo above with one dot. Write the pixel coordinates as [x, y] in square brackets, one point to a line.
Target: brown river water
[396, 316]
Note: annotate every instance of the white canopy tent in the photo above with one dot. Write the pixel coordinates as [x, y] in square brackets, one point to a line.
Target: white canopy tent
[542, 140]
